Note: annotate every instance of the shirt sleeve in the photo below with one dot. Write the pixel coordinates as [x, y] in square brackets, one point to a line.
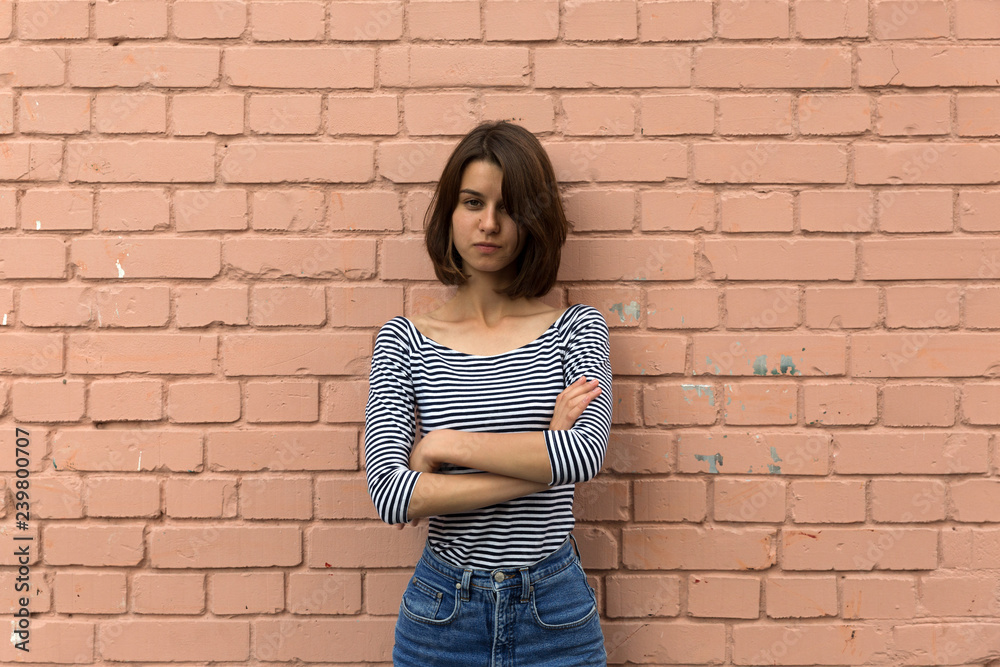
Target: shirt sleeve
[576, 455]
[390, 427]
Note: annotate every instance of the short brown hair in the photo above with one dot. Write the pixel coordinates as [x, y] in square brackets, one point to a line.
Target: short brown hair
[530, 194]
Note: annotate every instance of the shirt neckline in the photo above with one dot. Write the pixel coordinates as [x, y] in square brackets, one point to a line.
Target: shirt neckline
[488, 356]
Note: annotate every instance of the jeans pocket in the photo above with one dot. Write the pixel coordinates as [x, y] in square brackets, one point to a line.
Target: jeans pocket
[429, 602]
[564, 600]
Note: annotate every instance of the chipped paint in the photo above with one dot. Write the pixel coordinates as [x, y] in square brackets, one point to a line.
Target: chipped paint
[632, 310]
[707, 388]
[713, 461]
[773, 469]
[760, 365]
[121, 271]
[788, 365]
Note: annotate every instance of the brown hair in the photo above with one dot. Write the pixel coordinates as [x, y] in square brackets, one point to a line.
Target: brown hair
[530, 194]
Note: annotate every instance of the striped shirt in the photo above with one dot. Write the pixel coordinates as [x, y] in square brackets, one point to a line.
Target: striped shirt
[510, 392]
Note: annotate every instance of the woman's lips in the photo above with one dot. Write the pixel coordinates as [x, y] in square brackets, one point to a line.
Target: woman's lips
[487, 249]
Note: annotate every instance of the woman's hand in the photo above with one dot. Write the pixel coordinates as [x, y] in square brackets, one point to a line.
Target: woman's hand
[571, 403]
[424, 457]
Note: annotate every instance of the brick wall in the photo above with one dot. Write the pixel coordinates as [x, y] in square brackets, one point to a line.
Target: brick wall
[785, 209]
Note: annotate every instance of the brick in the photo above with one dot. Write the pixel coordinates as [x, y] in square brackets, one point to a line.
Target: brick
[31, 354]
[203, 402]
[344, 498]
[842, 307]
[53, 20]
[294, 353]
[835, 114]
[202, 306]
[246, 592]
[769, 353]
[914, 115]
[30, 66]
[158, 65]
[981, 403]
[52, 210]
[894, 19]
[762, 307]
[130, 20]
[168, 593]
[755, 212]
[283, 449]
[721, 596]
[130, 400]
[324, 593]
[210, 210]
[976, 19]
[134, 209]
[361, 640]
[772, 66]
[276, 498]
[860, 548]
[801, 597]
[288, 210]
[451, 19]
[89, 592]
[677, 210]
[836, 211]
[300, 67]
[915, 210]
[682, 308]
[694, 547]
[285, 114]
[679, 404]
[599, 114]
[602, 500]
[762, 454]
[901, 163]
[146, 258]
[303, 162]
[978, 211]
[54, 641]
[640, 596]
[171, 353]
[312, 258]
[362, 115]
[142, 160]
[130, 113]
[127, 450]
[55, 497]
[366, 20]
[96, 546]
[48, 400]
[918, 405]
[920, 306]
[918, 453]
[40, 257]
[645, 452]
[372, 209]
[758, 501]
[612, 67]
[123, 497]
[636, 354]
[920, 354]
[287, 305]
[352, 545]
[807, 644]
[665, 642]
[675, 21]
[600, 210]
[769, 162]
[197, 19]
[363, 305]
[821, 19]
[534, 112]
[908, 501]
[205, 640]
[199, 114]
[670, 500]
[755, 114]
[600, 20]
[200, 498]
[879, 597]
[828, 501]
[609, 160]
[677, 114]
[53, 113]
[30, 160]
[840, 404]
[224, 546]
[760, 403]
[925, 66]
[520, 20]
[949, 595]
[287, 21]
[626, 260]
[974, 500]
[976, 116]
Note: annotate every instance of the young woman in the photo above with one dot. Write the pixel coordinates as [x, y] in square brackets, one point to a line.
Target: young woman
[514, 402]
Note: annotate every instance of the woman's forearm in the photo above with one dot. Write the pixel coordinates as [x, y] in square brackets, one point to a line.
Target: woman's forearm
[436, 493]
[520, 455]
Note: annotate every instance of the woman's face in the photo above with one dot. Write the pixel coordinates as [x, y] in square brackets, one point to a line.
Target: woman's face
[480, 218]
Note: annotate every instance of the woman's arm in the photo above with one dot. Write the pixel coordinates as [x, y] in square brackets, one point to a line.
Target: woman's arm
[435, 493]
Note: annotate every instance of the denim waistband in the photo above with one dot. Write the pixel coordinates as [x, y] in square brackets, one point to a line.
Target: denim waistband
[502, 578]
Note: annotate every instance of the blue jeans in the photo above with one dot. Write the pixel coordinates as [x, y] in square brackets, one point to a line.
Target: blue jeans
[540, 615]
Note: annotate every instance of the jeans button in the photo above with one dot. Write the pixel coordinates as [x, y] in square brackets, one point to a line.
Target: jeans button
[498, 577]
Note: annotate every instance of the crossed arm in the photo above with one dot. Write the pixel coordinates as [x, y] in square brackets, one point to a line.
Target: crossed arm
[516, 464]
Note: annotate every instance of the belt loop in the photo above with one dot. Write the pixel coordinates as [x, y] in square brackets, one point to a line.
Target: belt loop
[466, 577]
[576, 546]
[524, 584]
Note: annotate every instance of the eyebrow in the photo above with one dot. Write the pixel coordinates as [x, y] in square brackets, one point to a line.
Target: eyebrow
[471, 192]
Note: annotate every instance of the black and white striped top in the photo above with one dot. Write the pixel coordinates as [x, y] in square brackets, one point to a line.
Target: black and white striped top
[510, 392]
